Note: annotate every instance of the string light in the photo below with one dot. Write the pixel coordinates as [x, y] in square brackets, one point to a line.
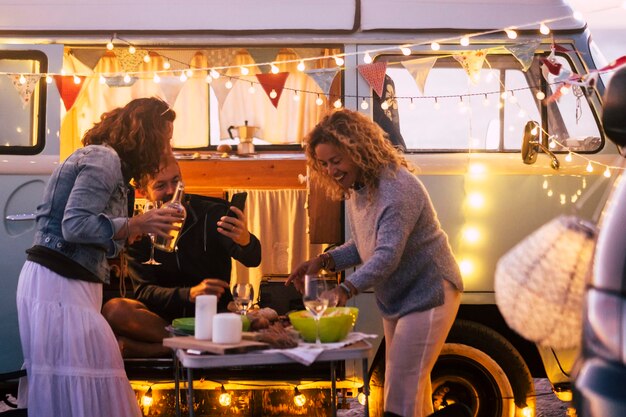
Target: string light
[146, 58]
[110, 45]
[208, 79]
[319, 101]
[298, 398]
[251, 90]
[510, 33]
[339, 60]
[166, 64]
[465, 41]
[540, 95]
[228, 84]
[607, 172]
[274, 69]
[132, 49]
[244, 71]
[405, 50]
[589, 167]
[183, 78]
[568, 157]
[367, 58]
[273, 94]
[435, 46]
[127, 79]
[225, 399]
[361, 397]
[214, 74]
[296, 97]
[301, 67]
[156, 78]
[544, 29]
[365, 105]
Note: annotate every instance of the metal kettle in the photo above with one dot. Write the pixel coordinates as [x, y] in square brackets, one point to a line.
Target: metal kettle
[246, 133]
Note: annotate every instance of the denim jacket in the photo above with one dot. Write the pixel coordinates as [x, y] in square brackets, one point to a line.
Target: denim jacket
[84, 206]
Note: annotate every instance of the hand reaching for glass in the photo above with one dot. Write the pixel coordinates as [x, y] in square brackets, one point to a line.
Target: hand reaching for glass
[318, 296]
[158, 222]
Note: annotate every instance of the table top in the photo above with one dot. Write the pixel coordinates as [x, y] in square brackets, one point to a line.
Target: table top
[358, 350]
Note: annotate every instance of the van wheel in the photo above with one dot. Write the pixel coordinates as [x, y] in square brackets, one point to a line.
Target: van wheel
[487, 357]
[466, 375]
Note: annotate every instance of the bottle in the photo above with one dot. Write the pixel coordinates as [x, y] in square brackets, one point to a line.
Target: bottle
[169, 244]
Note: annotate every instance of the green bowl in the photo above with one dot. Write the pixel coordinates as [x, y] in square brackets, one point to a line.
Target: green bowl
[335, 324]
[187, 324]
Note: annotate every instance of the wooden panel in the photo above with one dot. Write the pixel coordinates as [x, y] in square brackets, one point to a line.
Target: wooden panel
[211, 177]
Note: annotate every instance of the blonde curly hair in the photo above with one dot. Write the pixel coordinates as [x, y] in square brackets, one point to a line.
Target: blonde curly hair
[359, 138]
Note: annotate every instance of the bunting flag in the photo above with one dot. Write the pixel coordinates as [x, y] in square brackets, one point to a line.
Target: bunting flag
[419, 70]
[68, 89]
[304, 53]
[374, 74]
[615, 64]
[25, 84]
[220, 90]
[129, 62]
[273, 83]
[323, 77]
[89, 57]
[179, 59]
[472, 63]
[222, 57]
[118, 81]
[524, 52]
[263, 56]
[170, 86]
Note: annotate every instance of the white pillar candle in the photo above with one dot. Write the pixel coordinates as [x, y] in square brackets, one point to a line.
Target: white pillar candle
[206, 308]
[227, 328]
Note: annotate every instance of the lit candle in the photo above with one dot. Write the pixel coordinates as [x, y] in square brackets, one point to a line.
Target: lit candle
[227, 328]
[206, 308]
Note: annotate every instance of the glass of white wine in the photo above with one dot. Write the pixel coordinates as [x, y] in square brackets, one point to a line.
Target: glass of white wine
[243, 296]
[316, 298]
[151, 205]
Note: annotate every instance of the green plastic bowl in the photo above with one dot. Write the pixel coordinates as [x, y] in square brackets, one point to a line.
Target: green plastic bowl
[335, 324]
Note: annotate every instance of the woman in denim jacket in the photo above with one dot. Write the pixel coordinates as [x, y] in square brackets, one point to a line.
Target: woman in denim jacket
[73, 363]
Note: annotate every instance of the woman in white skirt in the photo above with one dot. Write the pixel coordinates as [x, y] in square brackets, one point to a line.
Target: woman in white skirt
[73, 363]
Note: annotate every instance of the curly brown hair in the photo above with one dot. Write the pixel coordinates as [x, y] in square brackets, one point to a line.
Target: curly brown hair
[140, 132]
[359, 138]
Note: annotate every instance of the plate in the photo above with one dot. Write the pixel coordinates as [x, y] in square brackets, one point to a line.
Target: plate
[187, 324]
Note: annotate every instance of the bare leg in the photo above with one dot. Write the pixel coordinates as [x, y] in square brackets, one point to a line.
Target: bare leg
[139, 331]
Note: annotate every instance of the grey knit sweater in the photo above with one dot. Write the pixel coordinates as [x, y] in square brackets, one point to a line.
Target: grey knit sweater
[398, 241]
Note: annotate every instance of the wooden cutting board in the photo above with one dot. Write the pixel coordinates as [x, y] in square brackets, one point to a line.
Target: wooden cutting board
[190, 342]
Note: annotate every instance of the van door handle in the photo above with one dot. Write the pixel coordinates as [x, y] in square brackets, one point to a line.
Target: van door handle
[21, 217]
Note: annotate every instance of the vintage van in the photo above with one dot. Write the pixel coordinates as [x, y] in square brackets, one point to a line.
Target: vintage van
[459, 82]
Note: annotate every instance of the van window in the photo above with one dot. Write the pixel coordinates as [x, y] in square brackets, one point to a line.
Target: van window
[455, 114]
[22, 102]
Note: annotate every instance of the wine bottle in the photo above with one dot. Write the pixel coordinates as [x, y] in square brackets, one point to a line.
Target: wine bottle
[168, 244]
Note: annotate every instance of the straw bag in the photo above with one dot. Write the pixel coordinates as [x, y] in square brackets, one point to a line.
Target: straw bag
[540, 282]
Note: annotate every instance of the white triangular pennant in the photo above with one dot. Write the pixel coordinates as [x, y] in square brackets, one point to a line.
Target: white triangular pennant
[25, 84]
[419, 70]
[472, 63]
[220, 89]
[170, 86]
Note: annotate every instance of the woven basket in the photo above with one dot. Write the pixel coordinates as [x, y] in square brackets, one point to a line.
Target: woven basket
[540, 282]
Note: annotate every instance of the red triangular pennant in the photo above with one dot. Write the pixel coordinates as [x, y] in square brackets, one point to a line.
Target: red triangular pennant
[68, 89]
[374, 74]
[273, 82]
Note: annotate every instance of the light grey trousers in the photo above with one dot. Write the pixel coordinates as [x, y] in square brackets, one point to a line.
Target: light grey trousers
[413, 343]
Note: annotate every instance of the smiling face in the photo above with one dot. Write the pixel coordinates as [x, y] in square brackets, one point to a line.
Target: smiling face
[337, 165]
[163, 185]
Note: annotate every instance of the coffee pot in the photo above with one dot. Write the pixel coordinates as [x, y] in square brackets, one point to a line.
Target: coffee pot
[246, 133]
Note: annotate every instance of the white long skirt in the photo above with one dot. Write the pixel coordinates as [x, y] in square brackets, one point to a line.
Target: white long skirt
[73, 363]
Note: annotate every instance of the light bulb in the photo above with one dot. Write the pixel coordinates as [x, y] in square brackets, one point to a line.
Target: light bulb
[274, 69]
[298, 398]
[251, 90]
[76, 79]
[512, 99]
[166, 65]
[384, 105]
[273, 93]
[589, 167]
[110, 45]
[245, 71]
[540, 95]
[337, 104]
[214, 74]
[339, 60]
[361, 398]
[189, 73]
[23, 79]
[364, 104]
[435, 46]
[405, 50]
[156, 78]
[544, 29]
[367, 58]
[296, 96]
[534, 131]
[182, 77]
[49, 79]
[301, 66]
[146, 58]
[319, 101]
[568, 157]
[510, 33]
[228, 84]
[437, 105]
[545, 184]
[465, 41]
[607, 172]
[564, 90]
[146, 399]
[208, 79]
[225, 398]
[486, 101]
[102, 80]
[132, 49]
[127, 78]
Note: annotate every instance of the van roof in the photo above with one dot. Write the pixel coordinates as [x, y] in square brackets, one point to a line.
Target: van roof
[236, 16]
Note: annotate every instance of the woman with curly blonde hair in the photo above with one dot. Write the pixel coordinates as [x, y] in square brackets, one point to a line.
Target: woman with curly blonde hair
[403, 253]
[73, 362]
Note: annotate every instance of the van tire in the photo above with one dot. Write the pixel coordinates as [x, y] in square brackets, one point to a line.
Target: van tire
[484, 339]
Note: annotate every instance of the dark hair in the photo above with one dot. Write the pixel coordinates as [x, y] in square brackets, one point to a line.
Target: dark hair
[140, 133]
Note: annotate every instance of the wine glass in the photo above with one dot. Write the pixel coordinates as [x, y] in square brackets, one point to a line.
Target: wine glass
[151, 205]
[243, 295]
[316, 299]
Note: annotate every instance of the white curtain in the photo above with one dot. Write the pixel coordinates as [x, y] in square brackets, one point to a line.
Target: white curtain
[279, 219]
